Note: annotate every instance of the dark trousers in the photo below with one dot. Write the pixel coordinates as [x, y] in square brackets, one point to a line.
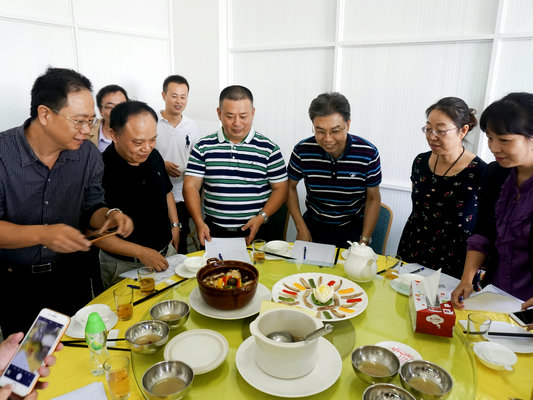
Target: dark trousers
[183, 217]
[333, 234]
[65, 288]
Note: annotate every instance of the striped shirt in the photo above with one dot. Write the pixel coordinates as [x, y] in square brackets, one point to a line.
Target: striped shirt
[236, 177]
[336, 188]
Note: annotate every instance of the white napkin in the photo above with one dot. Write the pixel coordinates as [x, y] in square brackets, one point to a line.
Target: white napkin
[93, 391]
[430, 286]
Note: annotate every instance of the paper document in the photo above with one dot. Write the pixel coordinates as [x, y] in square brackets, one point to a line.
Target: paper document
[313, 253]
[160, 276]
[93, 391]
[228, 249]
[492, 298]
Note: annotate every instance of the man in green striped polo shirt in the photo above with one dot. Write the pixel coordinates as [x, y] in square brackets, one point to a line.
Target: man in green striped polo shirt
[241, 171]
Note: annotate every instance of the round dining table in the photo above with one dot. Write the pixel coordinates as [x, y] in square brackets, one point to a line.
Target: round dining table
[386, 318]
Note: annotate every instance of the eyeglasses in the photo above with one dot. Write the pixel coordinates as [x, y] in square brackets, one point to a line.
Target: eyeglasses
[77, 123]
[333, 132]
[437, 132]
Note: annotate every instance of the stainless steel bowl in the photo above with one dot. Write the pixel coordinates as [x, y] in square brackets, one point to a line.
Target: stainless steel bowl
[386, 391]
[136, 332]
[166, 371]
[178, 310]
[427, 371]
[368, 355]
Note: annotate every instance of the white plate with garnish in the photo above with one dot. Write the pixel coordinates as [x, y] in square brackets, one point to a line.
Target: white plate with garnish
[327, 370]
[334, 299]
[201, 307]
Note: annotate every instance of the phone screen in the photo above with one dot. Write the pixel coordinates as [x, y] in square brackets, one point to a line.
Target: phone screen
[525, 316]
[33, 349]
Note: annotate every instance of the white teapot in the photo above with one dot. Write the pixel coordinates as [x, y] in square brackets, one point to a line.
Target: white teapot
[361, 263]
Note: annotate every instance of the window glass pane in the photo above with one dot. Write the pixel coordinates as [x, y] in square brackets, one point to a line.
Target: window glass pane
[519, 16]
[514, 68]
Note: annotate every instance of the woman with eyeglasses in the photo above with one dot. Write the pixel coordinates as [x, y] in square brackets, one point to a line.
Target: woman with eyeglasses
[446, 182]
[503, 237]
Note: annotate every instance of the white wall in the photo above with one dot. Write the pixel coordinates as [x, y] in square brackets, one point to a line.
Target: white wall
[121, 46]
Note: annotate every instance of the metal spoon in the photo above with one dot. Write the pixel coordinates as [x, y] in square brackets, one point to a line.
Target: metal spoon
[286, 337]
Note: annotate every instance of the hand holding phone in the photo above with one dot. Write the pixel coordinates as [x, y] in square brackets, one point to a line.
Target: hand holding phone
[23, 365]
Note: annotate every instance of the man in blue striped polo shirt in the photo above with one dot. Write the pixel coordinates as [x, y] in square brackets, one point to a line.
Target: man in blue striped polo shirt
[241, 171]
[341, 173]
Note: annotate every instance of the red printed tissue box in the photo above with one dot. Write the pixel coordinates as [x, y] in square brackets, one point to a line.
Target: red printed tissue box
[435, 320]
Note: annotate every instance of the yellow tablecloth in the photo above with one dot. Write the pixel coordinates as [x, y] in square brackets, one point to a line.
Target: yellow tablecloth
[386, 318]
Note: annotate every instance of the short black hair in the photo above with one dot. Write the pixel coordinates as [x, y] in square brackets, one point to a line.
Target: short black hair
[513, 114]
[53, 87]
[123, 111]
[109, 89]
[180, 80]
[457, 110]
[235, 93]
[328, 104]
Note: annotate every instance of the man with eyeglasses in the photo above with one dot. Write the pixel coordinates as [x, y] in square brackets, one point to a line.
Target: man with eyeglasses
[341, 173]
[107, 98]
[50, 191]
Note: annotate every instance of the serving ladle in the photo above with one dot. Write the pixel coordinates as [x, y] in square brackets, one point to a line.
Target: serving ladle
[286, 337]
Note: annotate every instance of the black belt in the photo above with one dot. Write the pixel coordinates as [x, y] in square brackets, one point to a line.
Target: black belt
[30, 268]
[133, 259]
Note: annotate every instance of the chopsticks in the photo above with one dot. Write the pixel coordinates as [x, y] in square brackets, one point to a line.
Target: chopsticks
[158, 292]
[65, 342]
[510, 334]
[85, 346]
[109, 232]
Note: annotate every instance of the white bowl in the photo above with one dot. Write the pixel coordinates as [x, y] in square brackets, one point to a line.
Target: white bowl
[495, 355]
[193, 264]
[277, 246]
[103, 310]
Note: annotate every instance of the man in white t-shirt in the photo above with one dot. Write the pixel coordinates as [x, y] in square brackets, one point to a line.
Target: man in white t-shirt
[176, 136]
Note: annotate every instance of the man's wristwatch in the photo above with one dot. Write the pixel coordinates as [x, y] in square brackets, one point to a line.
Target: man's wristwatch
[365, 240]
[265, 217]
[176, 224]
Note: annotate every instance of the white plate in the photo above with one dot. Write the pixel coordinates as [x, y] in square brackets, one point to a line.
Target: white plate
[184, 272]
[516, 344]
[202, 349]
[399, 287]
[495, 355]
[200, 306]
[326, 372]
[403, 352]
[277, 290]
[76, 329]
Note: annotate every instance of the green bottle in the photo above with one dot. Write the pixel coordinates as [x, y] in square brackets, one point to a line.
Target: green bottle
[96, 338]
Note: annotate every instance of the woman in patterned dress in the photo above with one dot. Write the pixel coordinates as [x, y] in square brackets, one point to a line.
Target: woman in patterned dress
[446, 182]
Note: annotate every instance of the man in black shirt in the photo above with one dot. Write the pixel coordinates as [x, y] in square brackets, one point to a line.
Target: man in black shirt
[135, 180]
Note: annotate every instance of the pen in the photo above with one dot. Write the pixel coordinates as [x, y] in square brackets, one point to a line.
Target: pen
[305, 251]
[417, 270]
[220, 257]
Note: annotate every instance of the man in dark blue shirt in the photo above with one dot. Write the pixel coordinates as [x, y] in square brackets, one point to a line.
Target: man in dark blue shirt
[341, 173]
[50, 192]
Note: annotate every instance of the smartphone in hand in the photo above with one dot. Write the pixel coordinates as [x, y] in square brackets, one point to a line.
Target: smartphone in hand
[39, 342]
[523, 318]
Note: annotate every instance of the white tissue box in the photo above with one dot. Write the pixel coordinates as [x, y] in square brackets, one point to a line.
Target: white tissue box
[438, 320]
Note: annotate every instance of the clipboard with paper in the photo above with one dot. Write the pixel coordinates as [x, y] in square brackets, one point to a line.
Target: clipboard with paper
[320, 254]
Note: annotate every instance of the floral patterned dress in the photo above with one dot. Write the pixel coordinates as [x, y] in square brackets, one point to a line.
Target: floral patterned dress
[443, 217]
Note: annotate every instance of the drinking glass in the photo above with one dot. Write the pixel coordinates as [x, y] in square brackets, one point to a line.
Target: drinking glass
[478, 325]
[124, 302]
[258, 246]
[146, 280]
[117, 373]
[390, 262]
